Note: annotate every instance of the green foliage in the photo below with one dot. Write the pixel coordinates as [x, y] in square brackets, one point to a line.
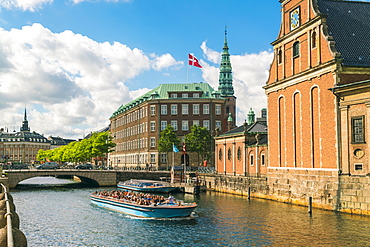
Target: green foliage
[167, 139]
[97, 145]
[199, 140]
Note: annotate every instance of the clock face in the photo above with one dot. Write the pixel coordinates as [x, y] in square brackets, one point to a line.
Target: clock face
[294, 19]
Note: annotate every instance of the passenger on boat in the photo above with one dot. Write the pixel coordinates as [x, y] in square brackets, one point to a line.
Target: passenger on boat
[171, 199]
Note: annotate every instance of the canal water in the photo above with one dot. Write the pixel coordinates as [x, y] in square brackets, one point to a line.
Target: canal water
[64, 216]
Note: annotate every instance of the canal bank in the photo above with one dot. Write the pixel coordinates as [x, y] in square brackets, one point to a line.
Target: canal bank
[328, 190]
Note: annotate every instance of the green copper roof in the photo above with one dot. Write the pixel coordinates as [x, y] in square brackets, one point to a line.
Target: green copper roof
[226, 77]
[163, 91]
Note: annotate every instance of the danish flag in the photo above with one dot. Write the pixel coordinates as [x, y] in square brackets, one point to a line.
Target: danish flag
[194, 61]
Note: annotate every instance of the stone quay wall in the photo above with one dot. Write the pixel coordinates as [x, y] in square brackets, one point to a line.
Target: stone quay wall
[328, 190]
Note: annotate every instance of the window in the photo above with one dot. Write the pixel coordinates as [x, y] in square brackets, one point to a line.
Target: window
[174, 125]
[218, 125]
[164, 158]
[163, 109]
[263, 162]
[229, 154]
[280, 56]
[251, 158]
[152, 142]
[185, 109]
[195, 95]
[185, 125]
[196, 122]
[206, 124]
[358, 131]
[313, 40]
[358, 167]
[206, 109]
[218, 110]
[173, 95]
[185, 95]
[152, 126]
[196, 109]
[220, 154]
[152, 110]
[152, 158]
[173, 109]
[296, 49]
[163, 125]
[239, 153]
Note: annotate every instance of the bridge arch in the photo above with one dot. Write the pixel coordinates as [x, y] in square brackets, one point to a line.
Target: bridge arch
[96, 178]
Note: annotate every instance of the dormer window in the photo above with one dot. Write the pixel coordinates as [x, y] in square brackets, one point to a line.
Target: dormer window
[296, 49]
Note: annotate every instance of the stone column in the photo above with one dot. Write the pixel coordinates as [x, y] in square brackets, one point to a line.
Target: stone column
[345, 140]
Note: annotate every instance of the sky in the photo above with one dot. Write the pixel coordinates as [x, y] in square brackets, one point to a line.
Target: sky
[72, 63]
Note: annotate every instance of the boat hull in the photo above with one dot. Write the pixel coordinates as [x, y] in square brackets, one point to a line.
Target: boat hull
[160, 211]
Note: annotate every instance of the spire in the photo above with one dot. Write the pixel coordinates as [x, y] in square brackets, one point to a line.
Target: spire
[226, 78]
[25, 126]
[251, 116]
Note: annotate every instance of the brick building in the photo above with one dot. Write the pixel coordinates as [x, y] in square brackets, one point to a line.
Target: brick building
[136, 126]
[243, 150]
[318, 97]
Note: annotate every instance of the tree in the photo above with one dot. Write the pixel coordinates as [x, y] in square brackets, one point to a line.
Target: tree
[99, 144]
[199, 141]
[167, 139]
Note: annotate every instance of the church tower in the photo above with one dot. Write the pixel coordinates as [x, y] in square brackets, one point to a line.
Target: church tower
[25, 127]
[226, 83]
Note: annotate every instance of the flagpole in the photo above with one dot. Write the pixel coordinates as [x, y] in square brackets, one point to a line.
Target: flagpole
[187, 70]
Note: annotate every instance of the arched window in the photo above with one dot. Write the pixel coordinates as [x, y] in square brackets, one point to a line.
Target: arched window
[296, 49]
[313, 40]
[280, 56]
[220, 154]
[229, 154]
[239, 153]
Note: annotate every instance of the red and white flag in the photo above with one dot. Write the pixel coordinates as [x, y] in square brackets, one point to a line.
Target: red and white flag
[194, 61]
[183, 148]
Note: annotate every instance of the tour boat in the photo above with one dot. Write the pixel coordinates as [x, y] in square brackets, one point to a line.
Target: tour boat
[144, 211]
[150, 186]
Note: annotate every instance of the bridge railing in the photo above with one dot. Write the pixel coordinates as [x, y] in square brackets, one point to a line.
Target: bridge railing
[10, 235]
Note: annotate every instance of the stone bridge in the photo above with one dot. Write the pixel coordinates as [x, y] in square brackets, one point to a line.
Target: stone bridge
[94, 177]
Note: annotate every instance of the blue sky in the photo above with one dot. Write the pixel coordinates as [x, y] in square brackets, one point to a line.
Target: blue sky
[72, 63]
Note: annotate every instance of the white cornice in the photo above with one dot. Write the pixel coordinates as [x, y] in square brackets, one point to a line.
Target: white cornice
[303, 76]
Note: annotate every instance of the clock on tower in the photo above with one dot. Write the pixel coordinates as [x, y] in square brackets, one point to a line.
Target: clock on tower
[294, 19]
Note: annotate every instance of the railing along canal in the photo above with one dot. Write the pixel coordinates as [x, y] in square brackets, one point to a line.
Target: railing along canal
[10, 235]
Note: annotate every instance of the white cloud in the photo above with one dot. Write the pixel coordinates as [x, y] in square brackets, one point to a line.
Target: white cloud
[250, 72]
[165, 61]
[25, 5]
[70, 83]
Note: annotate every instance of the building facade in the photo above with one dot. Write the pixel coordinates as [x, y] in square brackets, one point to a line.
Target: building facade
[318, 100]
[136, 126]
[21, 147]
[243, 150]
